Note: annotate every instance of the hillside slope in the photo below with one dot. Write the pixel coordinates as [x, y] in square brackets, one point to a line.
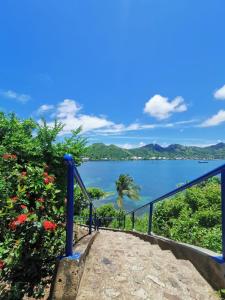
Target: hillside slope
[100, 151]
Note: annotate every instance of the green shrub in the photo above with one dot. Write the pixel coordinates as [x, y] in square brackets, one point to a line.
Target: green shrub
[32, 203]
[193, 216]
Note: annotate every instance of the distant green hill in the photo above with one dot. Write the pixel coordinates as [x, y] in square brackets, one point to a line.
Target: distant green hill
[101, 151]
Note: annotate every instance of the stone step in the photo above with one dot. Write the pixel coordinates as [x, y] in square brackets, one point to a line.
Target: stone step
[121, 266]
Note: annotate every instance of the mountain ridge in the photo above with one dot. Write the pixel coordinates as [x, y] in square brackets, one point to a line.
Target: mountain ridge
[100, 151]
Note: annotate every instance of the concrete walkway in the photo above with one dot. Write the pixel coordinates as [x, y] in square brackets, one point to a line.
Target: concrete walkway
[121, 266]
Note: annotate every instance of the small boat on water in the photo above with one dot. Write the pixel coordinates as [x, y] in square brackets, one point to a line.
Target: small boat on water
[202, 161]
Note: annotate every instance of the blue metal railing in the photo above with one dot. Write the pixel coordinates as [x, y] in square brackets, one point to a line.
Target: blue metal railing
[72, 176]
[214, 172]
[220, 170]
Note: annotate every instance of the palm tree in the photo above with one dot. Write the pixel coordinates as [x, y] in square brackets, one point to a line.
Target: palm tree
[126, 186]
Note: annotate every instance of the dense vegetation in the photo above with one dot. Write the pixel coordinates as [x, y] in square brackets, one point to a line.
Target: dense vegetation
[100, 151]
[193, 217]
[32, 203]
[32, 206]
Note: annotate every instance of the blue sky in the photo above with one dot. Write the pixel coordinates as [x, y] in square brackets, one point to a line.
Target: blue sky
[131, 72]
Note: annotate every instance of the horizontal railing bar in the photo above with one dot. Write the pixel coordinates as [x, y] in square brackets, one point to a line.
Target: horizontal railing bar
[82, 187]
[184, 187]
[80, 183]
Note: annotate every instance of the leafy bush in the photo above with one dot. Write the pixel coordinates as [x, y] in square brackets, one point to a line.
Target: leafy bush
[32, 206]
[81, 203]
[193, 216]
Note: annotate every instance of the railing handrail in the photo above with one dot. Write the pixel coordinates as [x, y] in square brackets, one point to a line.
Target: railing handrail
[81, 184]
[199, 179]
[72, 173]
[219, 170]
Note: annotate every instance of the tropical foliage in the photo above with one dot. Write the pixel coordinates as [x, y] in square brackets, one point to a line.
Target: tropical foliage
[32, 203]
[193, 217]
[106, 214]
[125, 186]
[82, 202]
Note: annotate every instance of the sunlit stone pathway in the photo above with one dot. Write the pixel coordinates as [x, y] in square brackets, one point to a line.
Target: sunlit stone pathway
[121, 266]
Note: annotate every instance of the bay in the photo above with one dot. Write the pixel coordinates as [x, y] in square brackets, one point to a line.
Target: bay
[155, 177]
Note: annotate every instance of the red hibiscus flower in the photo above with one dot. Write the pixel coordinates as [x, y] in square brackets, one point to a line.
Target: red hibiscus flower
[23, 206]
[48, 225]
[2, 264]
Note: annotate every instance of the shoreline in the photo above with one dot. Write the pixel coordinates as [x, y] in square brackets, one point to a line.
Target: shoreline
[171, 159]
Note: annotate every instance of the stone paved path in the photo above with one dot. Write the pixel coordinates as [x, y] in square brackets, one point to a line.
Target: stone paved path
[121, 266]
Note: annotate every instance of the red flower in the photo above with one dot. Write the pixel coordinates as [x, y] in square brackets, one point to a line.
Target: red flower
[24, 174]
[12, 225]
[14, 198]
[45, 174]
[41, 200]
[46, 181]
[18, 221]
[21, 218]
[9, 156]
[23, 206]
[48, 225]
[51, 178]
[2, 264]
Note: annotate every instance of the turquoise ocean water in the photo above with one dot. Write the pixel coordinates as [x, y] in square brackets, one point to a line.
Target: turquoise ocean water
[154, 177]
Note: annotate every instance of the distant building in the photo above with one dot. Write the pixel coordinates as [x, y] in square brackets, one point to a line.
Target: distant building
[86, 158]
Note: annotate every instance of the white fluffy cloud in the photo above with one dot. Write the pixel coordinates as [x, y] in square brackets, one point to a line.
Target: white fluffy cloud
[69, 113]
[220, 93]
[16, 96]
[130, 146]
[67, 108]
[161, 108]
[45, 108]
[215, 120]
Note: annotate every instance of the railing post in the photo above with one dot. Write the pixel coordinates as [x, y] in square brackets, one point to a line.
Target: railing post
[95, 220]
[150, 218]
[223, 210]
[90, 217]
[69, 204]
[98, 223]
[132, 220]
